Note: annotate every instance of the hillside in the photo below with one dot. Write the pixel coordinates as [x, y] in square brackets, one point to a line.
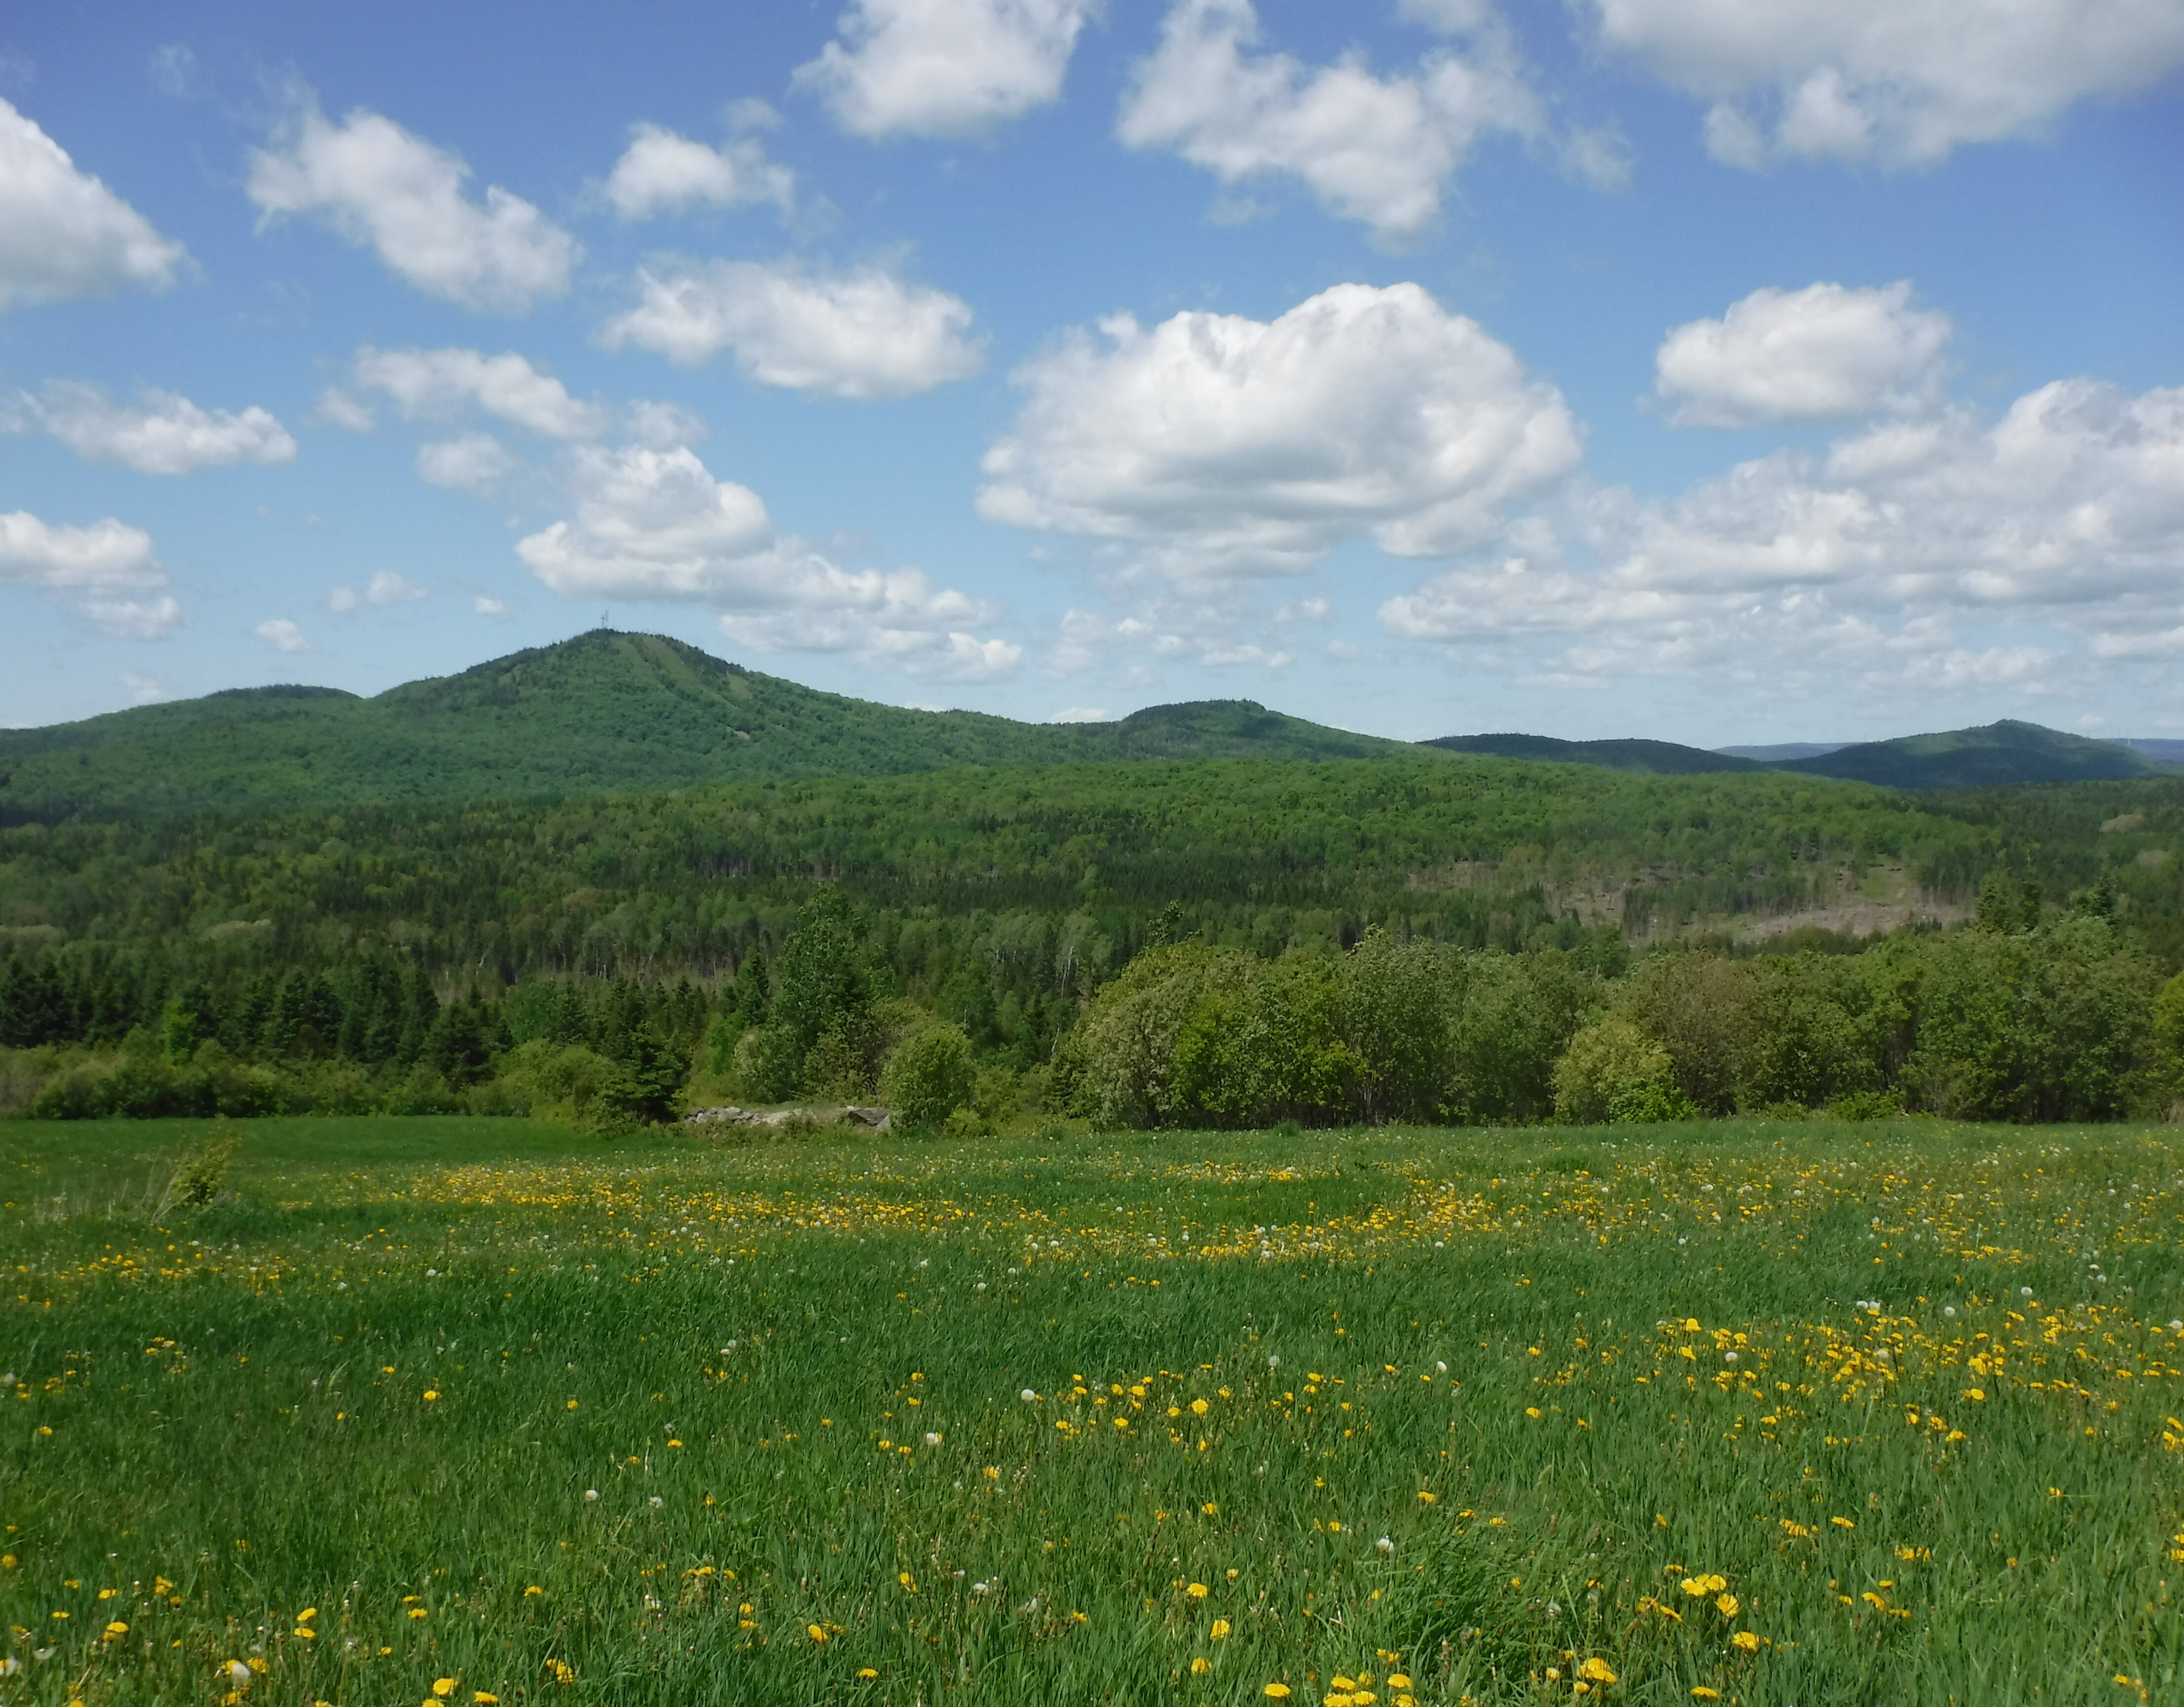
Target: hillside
[1990, 757]
[1657, 758]
[603, 712]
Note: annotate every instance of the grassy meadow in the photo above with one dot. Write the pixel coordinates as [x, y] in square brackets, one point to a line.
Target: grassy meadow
[478, 1411]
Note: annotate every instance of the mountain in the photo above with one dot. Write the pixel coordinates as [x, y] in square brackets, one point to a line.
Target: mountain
[2169, 751]
[1989, 756]
[604, 713]
[1661, 758]
[1785, 750]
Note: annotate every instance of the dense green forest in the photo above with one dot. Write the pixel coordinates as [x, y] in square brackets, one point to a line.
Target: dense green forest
[406, 956]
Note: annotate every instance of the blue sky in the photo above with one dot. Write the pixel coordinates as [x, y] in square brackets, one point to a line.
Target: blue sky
[1724, 370]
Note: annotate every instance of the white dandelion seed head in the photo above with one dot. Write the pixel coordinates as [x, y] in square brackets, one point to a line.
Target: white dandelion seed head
[932, 1440]
[591, 1493]
[655, 1502]
[1028, 1397]
[1441, 1369]
[1384, 1545]
[238, 1674]
[1950, 1311]
[1729, 1357]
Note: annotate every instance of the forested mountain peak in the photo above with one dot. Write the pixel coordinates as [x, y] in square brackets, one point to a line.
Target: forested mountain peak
[1661, 758]
[1991, 754]
[603, 713]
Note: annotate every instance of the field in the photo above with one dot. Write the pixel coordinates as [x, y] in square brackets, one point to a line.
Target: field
[477, 1411]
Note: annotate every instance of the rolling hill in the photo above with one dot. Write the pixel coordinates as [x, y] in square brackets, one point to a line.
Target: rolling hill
[604, 713]
[1991, 756]
[1659, 758]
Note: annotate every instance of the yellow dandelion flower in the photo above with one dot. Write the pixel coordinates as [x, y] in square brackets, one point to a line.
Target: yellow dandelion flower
[443, 1686]
[533, 1591]
[1427, 1498]
[417, 1612]
[1219, 1632]
[1397, 1681]
[1197, 1591]
[866, 1673]
[1592, 1670]
[1276, 1692]
[1701, 1692]
[1726, 1604]
[814, 1633]
[1842, 1523]
[1201, 1666]
[430, 1394]
[1209, 1509]
[483, 1699]
[116, 1628]
[1199, 1408]
[1745, 1641]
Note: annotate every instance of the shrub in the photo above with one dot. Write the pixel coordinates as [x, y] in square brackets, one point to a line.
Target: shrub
[1613, 1071]
[930, 1077]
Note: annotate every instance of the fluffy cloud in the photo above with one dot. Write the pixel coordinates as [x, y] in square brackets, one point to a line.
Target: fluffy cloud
[663, 173]
[654, 523]
[436, 384]
[63, 233]
[281, 635]
[1901, 82]
[1821, 353]
[167, 435]
[1217, 445]
[374, 183]
[1862, 563]
[475, 463]
[943, 67]
[1374, 149]
[386, 588]
[95, 570]
[863, 334]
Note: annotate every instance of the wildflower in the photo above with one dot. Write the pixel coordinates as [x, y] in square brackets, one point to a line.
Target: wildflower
[1726, 1605]
[561, 1672]
[1842, 1523]
[1197, 1591]
[814, 1633]
[115, 1629]
[1030, 1398]
[1276, 1692]
[993, 1472]
[908, 1582]
[1201, 1666]
[655, 1502]
[1745, 1642]
[1199, 1408]
[483, 1699]
[443, 1686]
[238, 1674]
[1701, 1692]
[533, 1591]
[1209, 1509]
[417, 1612]
[932, 1439]
[1384, 1545]
[866, 1673]
[1427, 1498]
[430, 1395]
[1592, 1670]
[1219, 1631]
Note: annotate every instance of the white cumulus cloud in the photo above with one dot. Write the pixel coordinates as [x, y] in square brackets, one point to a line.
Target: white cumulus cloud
[1376, 149]
[1217, 444]
[862, 334]
[281, 635]
[1824, 352]
[439, 384]
[1862, 563]
[94, 570]
[661, 172]
[384, 588]
[63, 233]
[653, 523]
[1899, 83]
[475, 463]
[167, 434]
[376, 184]
[943, 67]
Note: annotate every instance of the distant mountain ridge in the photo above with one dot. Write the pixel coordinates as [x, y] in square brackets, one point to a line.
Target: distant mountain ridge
[1661, 758]
[603, 712]
[608, 712]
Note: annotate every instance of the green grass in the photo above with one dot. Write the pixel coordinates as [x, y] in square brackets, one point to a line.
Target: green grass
[387, 1378]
